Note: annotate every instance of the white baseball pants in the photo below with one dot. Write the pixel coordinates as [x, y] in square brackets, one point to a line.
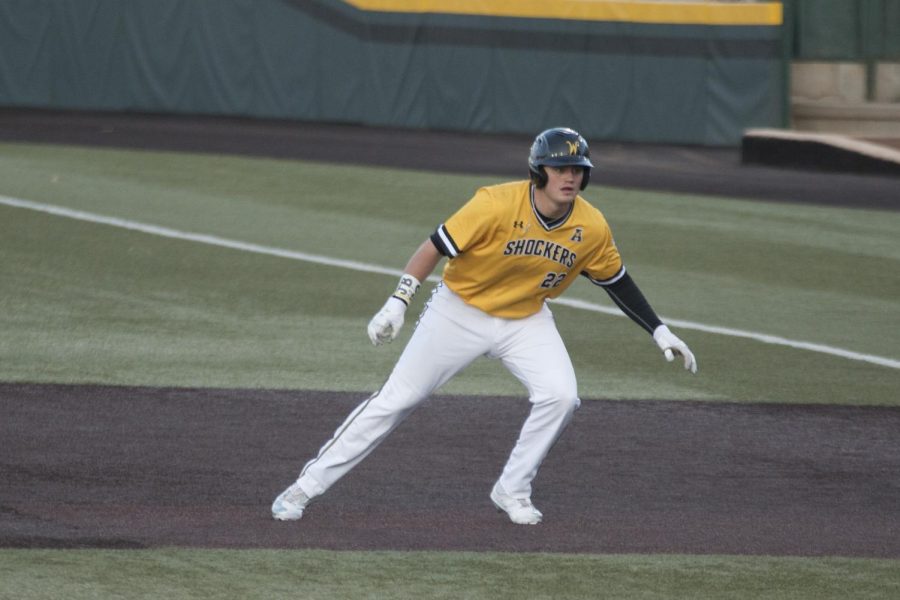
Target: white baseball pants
[450, 335]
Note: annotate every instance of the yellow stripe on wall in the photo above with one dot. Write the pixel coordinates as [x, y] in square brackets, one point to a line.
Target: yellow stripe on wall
[678, 13]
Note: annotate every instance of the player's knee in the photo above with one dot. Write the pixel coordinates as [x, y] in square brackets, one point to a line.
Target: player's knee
[405, 393]
[569, 402]
[567, 393]
[564, 402]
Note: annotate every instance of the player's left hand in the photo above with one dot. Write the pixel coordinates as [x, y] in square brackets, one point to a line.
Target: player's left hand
[386, 323]
[671, 345]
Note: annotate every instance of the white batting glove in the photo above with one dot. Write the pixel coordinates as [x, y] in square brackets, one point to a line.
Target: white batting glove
[671, 345]
[386, 323]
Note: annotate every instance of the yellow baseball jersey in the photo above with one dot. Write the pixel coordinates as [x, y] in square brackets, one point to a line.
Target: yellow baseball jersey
[507, 259]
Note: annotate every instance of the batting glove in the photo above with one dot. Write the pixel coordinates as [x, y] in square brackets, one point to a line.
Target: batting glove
[669, 343]
[386, 324]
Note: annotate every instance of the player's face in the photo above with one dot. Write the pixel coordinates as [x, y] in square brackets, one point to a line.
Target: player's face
[563, 184]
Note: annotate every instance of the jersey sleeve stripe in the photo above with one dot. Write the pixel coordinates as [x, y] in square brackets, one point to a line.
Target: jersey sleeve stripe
[604, 282]
[444, 242]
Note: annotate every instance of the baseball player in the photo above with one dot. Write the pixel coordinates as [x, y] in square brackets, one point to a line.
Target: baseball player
[511, 248]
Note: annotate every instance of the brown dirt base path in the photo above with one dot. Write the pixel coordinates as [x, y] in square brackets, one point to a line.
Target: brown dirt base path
[119, 467]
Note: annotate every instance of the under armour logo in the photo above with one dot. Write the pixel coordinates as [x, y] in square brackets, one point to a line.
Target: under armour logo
[519, 225]
[576, 237]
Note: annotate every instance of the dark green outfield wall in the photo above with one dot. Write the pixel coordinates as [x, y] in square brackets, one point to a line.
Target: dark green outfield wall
[323, 60]
[845, 30]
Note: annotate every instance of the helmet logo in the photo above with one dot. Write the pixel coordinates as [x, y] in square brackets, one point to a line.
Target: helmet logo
[573, 147]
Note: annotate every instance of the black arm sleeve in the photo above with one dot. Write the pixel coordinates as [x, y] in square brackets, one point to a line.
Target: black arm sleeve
[627, 296]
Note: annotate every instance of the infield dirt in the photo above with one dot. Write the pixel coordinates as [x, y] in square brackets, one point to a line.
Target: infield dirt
[121, 467]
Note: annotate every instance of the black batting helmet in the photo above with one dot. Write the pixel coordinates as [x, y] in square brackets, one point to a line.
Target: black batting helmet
[558, 147]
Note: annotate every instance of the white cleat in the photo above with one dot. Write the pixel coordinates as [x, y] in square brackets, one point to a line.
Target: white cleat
[520, 510]
[289, 505]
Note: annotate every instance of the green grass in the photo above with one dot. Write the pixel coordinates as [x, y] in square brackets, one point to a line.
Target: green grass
[89, 303]
[311, 575]
[93, 303]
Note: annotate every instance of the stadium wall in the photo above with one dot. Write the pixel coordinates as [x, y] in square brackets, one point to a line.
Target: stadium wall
[692, 73]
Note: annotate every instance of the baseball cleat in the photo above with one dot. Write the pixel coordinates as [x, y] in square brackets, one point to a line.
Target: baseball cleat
[520, 510]
[289, 505]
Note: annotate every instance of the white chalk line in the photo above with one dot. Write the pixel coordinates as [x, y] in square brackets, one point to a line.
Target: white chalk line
[213, 240]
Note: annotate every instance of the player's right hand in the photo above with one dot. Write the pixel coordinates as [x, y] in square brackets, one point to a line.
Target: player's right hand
[386, 323]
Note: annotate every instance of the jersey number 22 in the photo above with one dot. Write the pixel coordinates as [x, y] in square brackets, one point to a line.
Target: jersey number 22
[553, 280]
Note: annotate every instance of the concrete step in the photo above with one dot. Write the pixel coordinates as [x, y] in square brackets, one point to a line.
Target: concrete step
[879, 155]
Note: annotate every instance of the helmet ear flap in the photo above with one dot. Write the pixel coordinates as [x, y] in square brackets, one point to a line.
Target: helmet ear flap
[539, 177]
[585, 179]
